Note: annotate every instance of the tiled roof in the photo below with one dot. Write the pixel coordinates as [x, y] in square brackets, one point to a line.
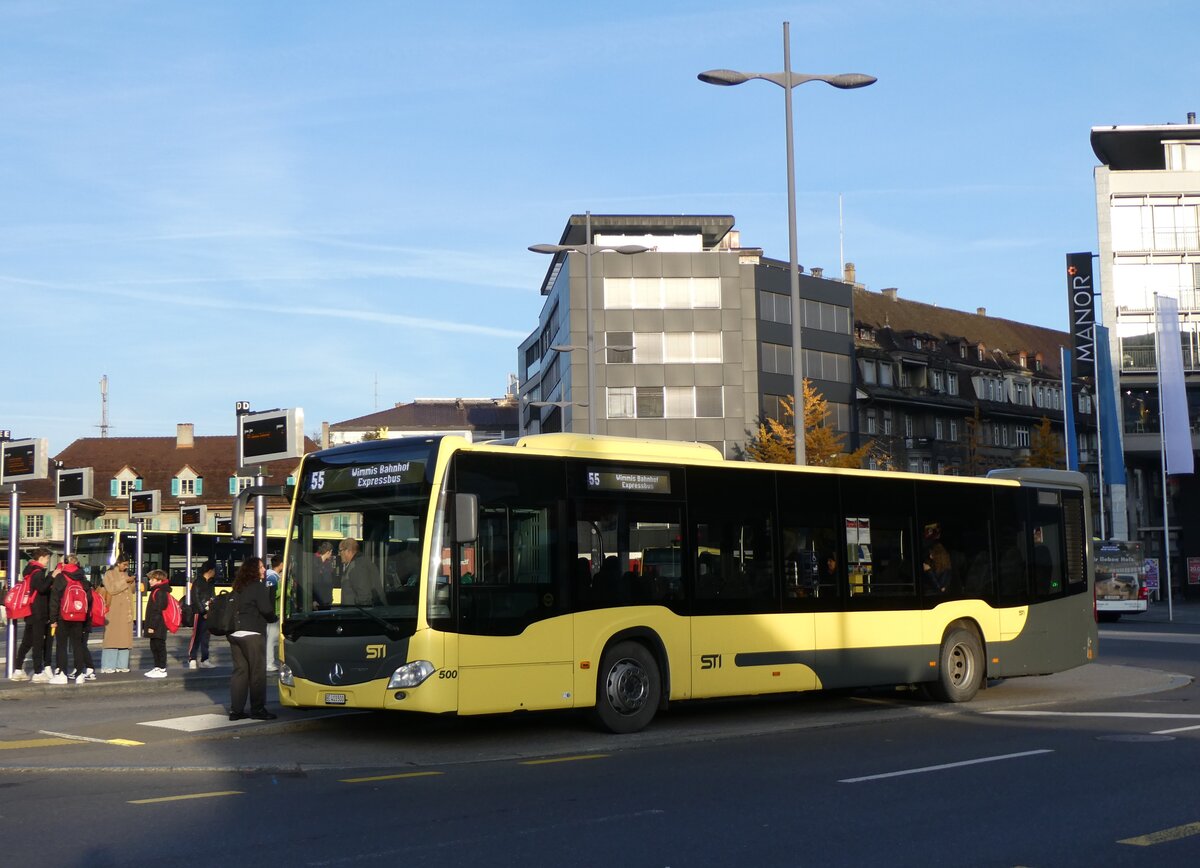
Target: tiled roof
[901, 315]
[460, 414]
[156, 460]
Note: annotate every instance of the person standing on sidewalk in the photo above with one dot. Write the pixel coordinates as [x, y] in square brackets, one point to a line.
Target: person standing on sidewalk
[273, 581]
[203, 590]
[118, 633]
[154, 623]
[33, 637]
[68, 631]
[252, 611]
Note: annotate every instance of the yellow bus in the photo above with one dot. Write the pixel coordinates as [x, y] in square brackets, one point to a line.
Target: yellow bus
[617, 575]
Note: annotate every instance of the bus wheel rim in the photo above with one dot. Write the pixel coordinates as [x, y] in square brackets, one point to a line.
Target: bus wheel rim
[961, 664]
[628, 686]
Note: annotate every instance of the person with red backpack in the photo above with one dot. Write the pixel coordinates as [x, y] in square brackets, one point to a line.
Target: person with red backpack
[155, 623]
[70, 604]
[33, 637]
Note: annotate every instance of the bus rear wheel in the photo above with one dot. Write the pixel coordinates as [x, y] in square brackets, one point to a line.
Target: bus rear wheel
[960, 667]
[628, 688]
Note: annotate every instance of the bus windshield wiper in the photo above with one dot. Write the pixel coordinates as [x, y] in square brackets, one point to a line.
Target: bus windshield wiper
[390, 630]
[293, 626]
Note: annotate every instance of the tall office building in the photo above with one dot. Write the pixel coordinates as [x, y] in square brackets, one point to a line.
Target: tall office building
[1148, 214]
[689, 340]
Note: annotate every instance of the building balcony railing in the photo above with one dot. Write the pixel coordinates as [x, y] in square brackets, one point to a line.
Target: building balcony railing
[1135, 358]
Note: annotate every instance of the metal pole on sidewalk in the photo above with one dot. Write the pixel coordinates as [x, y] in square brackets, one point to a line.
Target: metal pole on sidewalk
[188, 554]
[260, 519]
[68, 531]
[14, 562]
[138, 602]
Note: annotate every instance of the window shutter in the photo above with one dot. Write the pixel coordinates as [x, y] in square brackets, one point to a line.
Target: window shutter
[175, 487]
[114, 488]
[291, 480]
[199, 486]
[49, 525]
[137, 484]
[233, 485]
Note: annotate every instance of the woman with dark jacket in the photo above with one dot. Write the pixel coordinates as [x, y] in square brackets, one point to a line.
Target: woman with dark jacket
[252, 610]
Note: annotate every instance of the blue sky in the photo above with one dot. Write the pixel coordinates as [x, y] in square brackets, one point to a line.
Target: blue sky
[327, 205]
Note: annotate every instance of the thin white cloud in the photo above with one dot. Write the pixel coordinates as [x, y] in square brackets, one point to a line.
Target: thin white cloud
[374, 316]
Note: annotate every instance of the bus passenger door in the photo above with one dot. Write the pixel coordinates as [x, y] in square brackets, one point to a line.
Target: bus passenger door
[514, 636]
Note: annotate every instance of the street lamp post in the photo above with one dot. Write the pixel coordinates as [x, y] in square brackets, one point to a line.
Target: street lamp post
[788, 80]
[587, 249]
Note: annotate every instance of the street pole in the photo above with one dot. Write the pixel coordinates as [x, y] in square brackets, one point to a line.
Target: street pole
[260, 519]
[793, 256]
[788, 80]
[14, 563]
[587, 290]
[141, 523]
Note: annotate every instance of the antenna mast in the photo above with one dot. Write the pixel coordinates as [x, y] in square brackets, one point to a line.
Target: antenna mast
[103, 426]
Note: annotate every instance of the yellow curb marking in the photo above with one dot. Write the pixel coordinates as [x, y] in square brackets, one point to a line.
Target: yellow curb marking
[389, 777]
[1165, 835]
[565, 759]
[183, 798]
[35, 742]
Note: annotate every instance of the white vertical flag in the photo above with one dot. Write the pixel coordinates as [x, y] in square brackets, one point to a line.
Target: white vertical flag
[1173, 409]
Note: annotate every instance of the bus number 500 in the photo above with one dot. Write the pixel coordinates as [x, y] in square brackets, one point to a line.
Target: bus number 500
[447, 673]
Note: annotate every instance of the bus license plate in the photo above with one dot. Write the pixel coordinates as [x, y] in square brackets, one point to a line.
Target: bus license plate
[335, 699]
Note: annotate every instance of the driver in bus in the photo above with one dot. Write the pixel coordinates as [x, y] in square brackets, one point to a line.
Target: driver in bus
[359, 587]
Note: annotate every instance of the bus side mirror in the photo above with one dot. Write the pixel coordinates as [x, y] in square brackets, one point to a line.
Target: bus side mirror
[466, 511]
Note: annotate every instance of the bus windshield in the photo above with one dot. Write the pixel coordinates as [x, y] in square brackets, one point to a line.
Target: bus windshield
[357, 542]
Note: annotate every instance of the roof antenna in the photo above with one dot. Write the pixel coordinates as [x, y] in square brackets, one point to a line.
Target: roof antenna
[103, 426]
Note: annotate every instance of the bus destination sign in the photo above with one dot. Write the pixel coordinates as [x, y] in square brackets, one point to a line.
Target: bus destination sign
[365, 477]
[642, 481]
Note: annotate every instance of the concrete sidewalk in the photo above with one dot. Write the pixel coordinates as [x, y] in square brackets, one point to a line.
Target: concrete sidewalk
[179, 677]
[1179, 612]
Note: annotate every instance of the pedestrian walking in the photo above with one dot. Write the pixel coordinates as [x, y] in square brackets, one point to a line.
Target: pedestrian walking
[118, 633]
[252, 612]
[33, 637]
[154, 623]
[203, 589]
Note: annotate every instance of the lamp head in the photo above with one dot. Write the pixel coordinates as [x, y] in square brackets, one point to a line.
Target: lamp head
[723, 77]
[851, 80]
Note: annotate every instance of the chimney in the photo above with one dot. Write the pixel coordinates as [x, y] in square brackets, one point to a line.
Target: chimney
[982, 311]
[891, 293]
[1191, 117]
[818, 272]
[185, 435]
[848, 273]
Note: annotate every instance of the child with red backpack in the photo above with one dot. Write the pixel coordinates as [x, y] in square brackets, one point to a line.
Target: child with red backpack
[33, 637]
[155, 623]
[70, 606]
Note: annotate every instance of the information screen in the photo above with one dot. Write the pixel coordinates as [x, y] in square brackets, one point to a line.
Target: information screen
[642, 480]
[23, 461]
[143, 504]
[74, 484]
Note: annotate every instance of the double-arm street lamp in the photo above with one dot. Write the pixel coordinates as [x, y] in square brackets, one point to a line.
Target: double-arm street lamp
[588, 249]
[788, 80]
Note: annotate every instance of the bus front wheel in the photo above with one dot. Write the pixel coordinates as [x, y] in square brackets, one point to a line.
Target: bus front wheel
[960, 667]
[628, 688]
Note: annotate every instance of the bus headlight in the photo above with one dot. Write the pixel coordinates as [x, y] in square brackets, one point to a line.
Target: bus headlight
[285, 675]
[411, 674]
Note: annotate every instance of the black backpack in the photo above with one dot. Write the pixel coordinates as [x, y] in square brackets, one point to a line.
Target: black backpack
[222, 614]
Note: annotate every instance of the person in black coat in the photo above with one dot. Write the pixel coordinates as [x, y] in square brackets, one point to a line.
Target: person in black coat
[203, 589]
[247, 642]
[69, 631]
[155, 624]
[33, 637]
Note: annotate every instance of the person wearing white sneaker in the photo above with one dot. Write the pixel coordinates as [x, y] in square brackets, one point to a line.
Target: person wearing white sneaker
[156, 672]
[90, 674]
[58, 678]
[18, 675]
[192, 664]
[42, 677]
[207, 664]
[80, 678]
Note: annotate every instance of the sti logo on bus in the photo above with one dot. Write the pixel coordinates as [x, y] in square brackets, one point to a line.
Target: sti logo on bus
[376, 652]
[710, 661]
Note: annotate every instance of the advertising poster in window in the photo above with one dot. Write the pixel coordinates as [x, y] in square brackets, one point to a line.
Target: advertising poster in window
[1150, 570]
[1193, 565]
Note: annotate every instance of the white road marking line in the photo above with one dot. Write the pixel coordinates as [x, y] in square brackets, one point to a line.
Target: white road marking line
[943, 766]
[1133, 715]
[121, 742]
[1180, 638]
[197, 722]
[1172, 731]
